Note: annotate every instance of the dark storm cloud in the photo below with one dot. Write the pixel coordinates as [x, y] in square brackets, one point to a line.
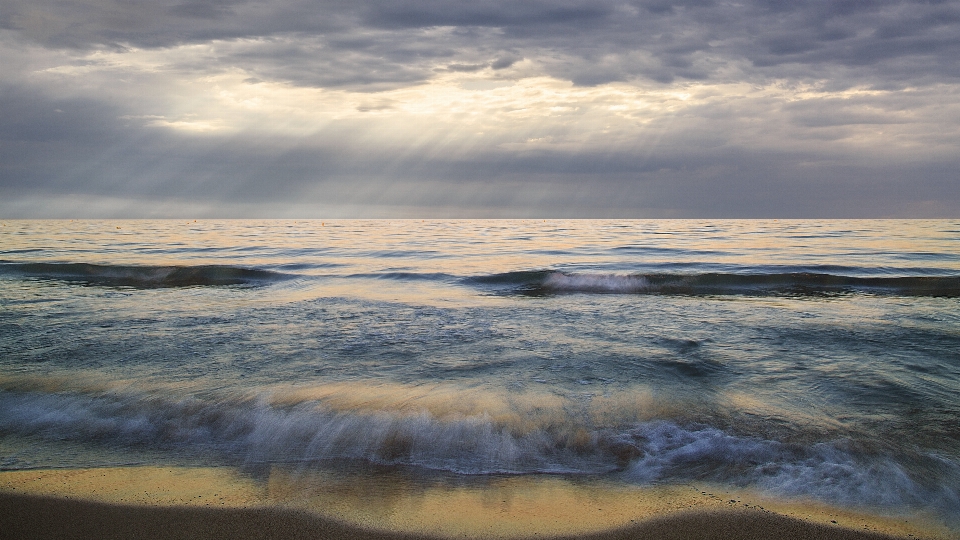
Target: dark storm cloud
[74, 132]
[495, 13]
[217, 9]
[357, 63]
[693, 39]
[591, 41]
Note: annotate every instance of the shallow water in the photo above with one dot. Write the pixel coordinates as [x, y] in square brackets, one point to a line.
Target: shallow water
[802, 359]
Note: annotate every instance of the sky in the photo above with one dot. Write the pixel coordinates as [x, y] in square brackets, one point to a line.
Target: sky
[480, 108]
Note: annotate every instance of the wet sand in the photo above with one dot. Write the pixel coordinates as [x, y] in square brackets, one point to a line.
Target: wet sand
[213, 503]
[29, 517]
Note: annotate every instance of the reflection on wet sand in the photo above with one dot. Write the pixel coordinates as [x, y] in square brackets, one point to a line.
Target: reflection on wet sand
[393, 500]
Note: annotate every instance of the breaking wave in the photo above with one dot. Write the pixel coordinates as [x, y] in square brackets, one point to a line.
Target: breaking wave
[141, 277]
[545, 282]
[256, 430]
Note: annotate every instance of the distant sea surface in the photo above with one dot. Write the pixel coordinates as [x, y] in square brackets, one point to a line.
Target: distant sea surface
[803, 359]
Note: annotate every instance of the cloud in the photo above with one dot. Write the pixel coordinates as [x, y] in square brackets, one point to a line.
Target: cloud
[679, 40]
[706, 153]
[582, 107]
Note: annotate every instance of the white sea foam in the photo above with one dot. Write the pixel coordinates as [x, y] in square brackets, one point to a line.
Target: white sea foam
[824, 471]
[254, 431]
[611, 283]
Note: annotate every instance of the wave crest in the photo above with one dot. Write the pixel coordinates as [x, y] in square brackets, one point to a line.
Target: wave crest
[142, 277]
[545, 282]
[601, 283]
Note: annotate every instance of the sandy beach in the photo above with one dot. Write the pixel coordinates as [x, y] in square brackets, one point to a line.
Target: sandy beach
[30, 517]
[214, 503]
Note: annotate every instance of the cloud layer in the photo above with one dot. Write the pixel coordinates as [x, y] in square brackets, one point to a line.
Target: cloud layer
[480, 108]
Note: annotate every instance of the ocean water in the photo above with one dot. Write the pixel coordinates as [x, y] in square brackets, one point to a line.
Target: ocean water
[802, 359]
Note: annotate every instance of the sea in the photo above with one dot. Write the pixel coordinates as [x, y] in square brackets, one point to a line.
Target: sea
[814, 360]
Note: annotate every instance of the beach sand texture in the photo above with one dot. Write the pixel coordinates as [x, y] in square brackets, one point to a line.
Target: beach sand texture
[213, 503]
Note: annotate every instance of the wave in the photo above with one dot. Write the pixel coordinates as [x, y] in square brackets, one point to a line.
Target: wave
[142, 277]
[307, 433]
[546, 282]
[532, 282]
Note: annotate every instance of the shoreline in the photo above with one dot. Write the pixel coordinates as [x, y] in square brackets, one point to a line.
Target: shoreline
[29, 517]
